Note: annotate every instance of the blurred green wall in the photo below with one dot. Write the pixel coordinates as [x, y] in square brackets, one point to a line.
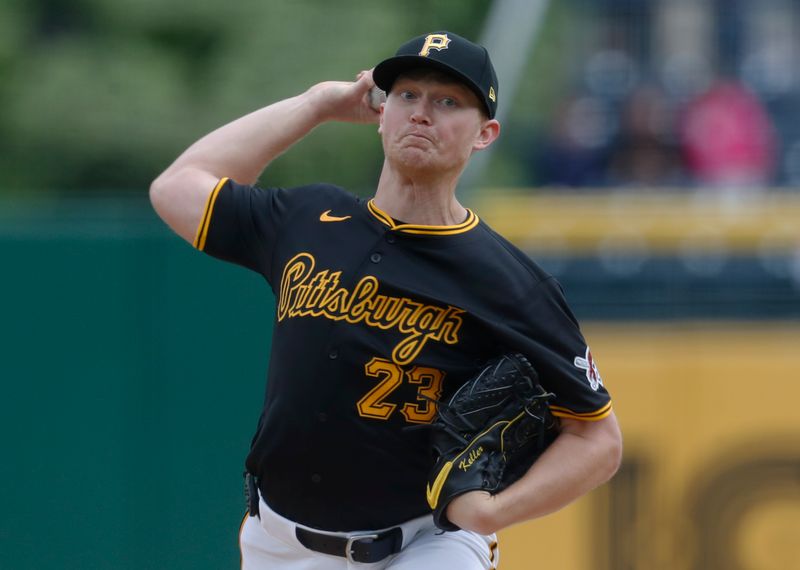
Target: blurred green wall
[132, 370]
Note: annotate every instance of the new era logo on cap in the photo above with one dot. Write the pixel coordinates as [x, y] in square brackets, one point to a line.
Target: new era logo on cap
[447, 52]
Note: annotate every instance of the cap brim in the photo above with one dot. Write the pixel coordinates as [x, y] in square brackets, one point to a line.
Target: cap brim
[387, 71]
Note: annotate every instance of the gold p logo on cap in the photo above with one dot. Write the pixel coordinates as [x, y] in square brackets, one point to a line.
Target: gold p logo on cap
[434, 41]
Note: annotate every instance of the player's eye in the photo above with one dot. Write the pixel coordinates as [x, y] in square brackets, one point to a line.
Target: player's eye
[407, 95]
[448, 102]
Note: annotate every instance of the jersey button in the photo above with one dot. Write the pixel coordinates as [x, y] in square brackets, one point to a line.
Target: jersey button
[390, 238]
[333, 354]
[316, 478]
[375, 257]
[322, 417]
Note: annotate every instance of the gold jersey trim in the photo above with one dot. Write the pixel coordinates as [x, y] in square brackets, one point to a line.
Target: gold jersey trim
[561, 412]
[202, 229]
[471, 221]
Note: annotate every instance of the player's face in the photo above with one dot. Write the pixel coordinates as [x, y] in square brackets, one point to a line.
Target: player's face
[431, 123]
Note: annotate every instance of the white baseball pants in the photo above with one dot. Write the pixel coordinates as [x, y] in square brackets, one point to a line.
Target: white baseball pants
[269, 542]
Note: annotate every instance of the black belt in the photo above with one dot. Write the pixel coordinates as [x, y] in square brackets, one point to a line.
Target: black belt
[364, 548]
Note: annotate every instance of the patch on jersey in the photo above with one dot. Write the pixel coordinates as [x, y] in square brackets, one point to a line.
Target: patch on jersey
[592, 374]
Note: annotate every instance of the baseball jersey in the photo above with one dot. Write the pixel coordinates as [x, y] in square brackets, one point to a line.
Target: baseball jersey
[375, 320]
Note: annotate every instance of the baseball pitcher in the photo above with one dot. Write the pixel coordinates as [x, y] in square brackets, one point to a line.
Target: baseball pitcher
[428, 384]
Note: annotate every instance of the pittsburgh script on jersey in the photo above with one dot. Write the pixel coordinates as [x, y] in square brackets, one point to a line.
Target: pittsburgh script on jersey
[304, 292]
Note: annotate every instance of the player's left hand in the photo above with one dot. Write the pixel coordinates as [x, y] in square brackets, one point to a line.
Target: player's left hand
[473, 511]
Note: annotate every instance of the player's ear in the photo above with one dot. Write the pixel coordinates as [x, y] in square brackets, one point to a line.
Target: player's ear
[380, 118]
[489, 132]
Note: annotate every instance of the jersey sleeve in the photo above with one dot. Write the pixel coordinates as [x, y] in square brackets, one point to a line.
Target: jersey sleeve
[241, 223]
[561, 356]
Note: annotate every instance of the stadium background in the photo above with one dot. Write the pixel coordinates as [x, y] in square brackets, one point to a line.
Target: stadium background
[132, 368]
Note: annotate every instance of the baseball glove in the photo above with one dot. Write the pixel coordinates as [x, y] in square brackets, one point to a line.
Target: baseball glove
[489, 433]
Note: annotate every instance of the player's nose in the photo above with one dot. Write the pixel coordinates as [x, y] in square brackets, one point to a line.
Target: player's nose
[421, 112]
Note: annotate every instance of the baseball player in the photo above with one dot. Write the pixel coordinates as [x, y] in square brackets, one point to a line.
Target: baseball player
[384, 306]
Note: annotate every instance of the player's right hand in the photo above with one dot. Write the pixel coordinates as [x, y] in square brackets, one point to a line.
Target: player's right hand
[344, 100]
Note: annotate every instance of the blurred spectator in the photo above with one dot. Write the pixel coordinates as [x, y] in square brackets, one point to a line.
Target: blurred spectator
[573, 152]
[728, 138]
[645, 152]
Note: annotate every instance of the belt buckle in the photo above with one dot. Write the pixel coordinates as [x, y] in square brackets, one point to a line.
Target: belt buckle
[348, 549]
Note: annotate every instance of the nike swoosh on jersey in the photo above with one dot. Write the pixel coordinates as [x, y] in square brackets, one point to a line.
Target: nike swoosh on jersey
[326, 217]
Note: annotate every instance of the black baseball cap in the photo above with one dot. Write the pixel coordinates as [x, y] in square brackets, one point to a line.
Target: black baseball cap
[447, 52]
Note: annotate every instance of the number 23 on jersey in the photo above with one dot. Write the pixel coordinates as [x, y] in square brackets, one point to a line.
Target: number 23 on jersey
[390, 377]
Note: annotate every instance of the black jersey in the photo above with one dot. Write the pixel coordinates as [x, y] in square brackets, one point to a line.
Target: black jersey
[374, 321]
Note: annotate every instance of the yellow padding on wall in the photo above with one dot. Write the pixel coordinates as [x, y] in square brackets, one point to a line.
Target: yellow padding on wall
[700, 405]
[660, 223]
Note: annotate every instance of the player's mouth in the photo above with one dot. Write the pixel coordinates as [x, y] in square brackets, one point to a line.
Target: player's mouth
[418, 136]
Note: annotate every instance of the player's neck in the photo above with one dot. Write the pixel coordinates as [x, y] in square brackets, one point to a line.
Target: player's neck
[419, 200]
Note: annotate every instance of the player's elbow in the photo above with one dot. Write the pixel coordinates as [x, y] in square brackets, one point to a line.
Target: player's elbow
[611, 445]
[167, 193]
[180, 196]
[167, 188]
[170, 203]
[158, 193]
[604, 446]
[614, 459]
